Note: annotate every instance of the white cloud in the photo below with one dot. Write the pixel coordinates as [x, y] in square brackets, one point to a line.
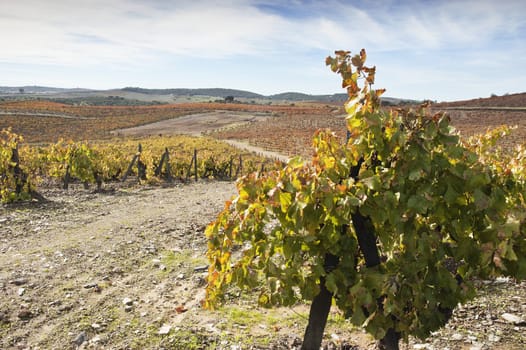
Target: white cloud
[202, 28]
[277, 36]
[126, 29]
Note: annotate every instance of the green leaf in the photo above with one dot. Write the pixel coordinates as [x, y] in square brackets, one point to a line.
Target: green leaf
[477, 180]
[295, 162]
[330, 283]
[415, 174]
[372, 182]
[285, 199]
[263, 299]
[506, 251]
[451, 195]
[418, 204]
[481, 200]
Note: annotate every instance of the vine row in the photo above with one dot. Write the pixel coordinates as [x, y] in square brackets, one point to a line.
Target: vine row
[152, 160]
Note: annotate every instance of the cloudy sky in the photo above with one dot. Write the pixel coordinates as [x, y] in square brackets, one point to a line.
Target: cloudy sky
[440, 50]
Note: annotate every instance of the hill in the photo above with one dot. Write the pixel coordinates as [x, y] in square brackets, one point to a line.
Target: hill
[215, 92]
[137, 95]
[508, 100]
[38, 90]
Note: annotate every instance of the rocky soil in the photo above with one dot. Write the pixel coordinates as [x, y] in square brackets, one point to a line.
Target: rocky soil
[126, 269]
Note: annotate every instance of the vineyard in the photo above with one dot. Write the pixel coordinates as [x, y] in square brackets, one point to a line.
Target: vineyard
[150, 160]
[291, 134]
[52, 143]
[44, 121]
[473, 122]
[287, 129]
[124, 266]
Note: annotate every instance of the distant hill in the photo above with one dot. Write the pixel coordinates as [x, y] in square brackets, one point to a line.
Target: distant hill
[291, 96]
[222, 93]
[508, 100]
[37, 90]
[136, 95]
[298, 96]
[215, 92]
[285, 96]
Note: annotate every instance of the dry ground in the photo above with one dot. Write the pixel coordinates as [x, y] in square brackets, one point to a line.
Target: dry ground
[195, 124]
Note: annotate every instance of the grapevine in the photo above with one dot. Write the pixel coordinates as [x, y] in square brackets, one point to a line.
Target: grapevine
[394, 225]
[15, 183]
[103, 162]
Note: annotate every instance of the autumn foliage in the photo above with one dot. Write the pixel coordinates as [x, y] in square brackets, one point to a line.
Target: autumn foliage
[438, 211]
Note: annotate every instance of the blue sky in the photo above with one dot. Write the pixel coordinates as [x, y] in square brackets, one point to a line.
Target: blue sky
[439, 50]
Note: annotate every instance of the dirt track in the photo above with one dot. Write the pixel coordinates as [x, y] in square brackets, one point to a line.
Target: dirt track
[194, 124]
[68, 265]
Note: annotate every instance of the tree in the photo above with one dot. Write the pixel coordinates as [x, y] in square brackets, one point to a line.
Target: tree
[229, 99]
[393, 225]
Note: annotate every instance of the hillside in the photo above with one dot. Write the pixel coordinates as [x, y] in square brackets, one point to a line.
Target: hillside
[474, 116]
[509, 100]
[138, 95]
[38, 90]
[216, 92]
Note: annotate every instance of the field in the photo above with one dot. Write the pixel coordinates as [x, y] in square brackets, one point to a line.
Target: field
[125, 268]
[285, 129]
[291, 134]
[42, 121]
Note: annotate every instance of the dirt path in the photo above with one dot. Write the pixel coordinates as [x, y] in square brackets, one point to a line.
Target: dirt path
[202, 123]
[67, 265]
[258, 150]
[194, 124]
